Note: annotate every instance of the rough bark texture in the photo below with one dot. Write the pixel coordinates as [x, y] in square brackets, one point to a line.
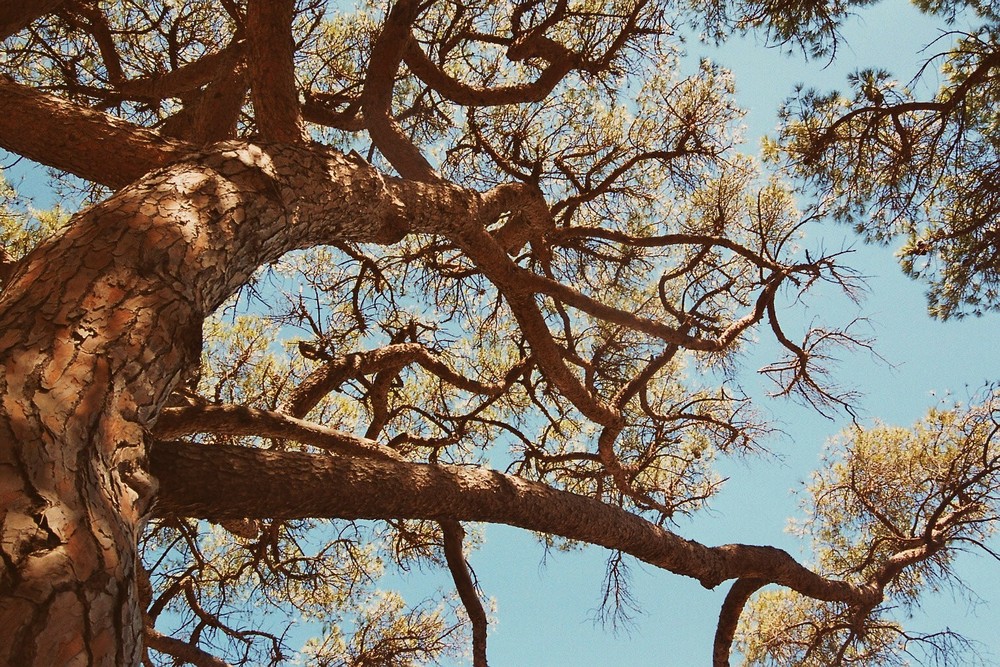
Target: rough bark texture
[272, 71]
[99, 324]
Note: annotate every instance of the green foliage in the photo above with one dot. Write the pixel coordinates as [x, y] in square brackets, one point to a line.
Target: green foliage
[921, 171]
[892, 507]
[23, 227]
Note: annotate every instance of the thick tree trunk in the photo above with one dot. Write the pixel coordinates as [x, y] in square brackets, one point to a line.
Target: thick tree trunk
[97, 327]
[95, 334]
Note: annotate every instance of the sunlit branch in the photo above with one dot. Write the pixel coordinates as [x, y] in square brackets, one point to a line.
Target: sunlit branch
[181, 650]
[90, 144]
[241, 420]
[509, 279]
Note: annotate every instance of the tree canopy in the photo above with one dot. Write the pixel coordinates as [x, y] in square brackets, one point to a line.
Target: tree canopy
[350, 279]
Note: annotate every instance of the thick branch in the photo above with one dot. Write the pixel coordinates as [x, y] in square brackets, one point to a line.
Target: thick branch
[223, 482]
[272, 70]
[186, 78]
[16, 15]
[92, 145]
[241, 420]
[209, 114]
[466, 95]
[376, 99]
[181, 650]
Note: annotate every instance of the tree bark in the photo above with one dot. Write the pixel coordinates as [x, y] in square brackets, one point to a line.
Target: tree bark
[90, 144]
[96, 328]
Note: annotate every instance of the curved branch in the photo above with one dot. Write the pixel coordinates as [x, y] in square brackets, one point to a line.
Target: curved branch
[567, 233]
[333, 373]
[186, 78]
[462, 93]
[453, 536]
[376, 99]
[512, 282]
[944, 107]
[224, 482]
[729, 617]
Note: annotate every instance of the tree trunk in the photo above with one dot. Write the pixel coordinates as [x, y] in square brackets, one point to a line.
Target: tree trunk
[96, 328]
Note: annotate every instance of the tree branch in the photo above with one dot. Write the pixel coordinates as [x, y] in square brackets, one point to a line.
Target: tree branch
[90, 144]
[186, 78]
[220, 482]
[241, 420]
[464, 94]
[376, 99]
[729, 617]
[272, 70]
[453, 536]
[330, 375]
[181, 650]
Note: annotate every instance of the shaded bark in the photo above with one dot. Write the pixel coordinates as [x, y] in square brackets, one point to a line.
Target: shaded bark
[729, 618]
[272, 70]
[16, 16]
[461, 574]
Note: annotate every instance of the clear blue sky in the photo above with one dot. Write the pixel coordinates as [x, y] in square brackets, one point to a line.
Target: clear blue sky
[546, 605]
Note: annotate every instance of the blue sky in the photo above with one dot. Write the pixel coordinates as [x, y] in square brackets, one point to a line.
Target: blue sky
[546, 604]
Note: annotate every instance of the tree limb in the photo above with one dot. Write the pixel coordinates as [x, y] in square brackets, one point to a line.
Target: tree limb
[453, 536]
[376, 99]
[272, 70]
[241, 420]
[90, 144]
[462, 93]
[729, 617]
[224, 482]
[181, 650]
[330, 375]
